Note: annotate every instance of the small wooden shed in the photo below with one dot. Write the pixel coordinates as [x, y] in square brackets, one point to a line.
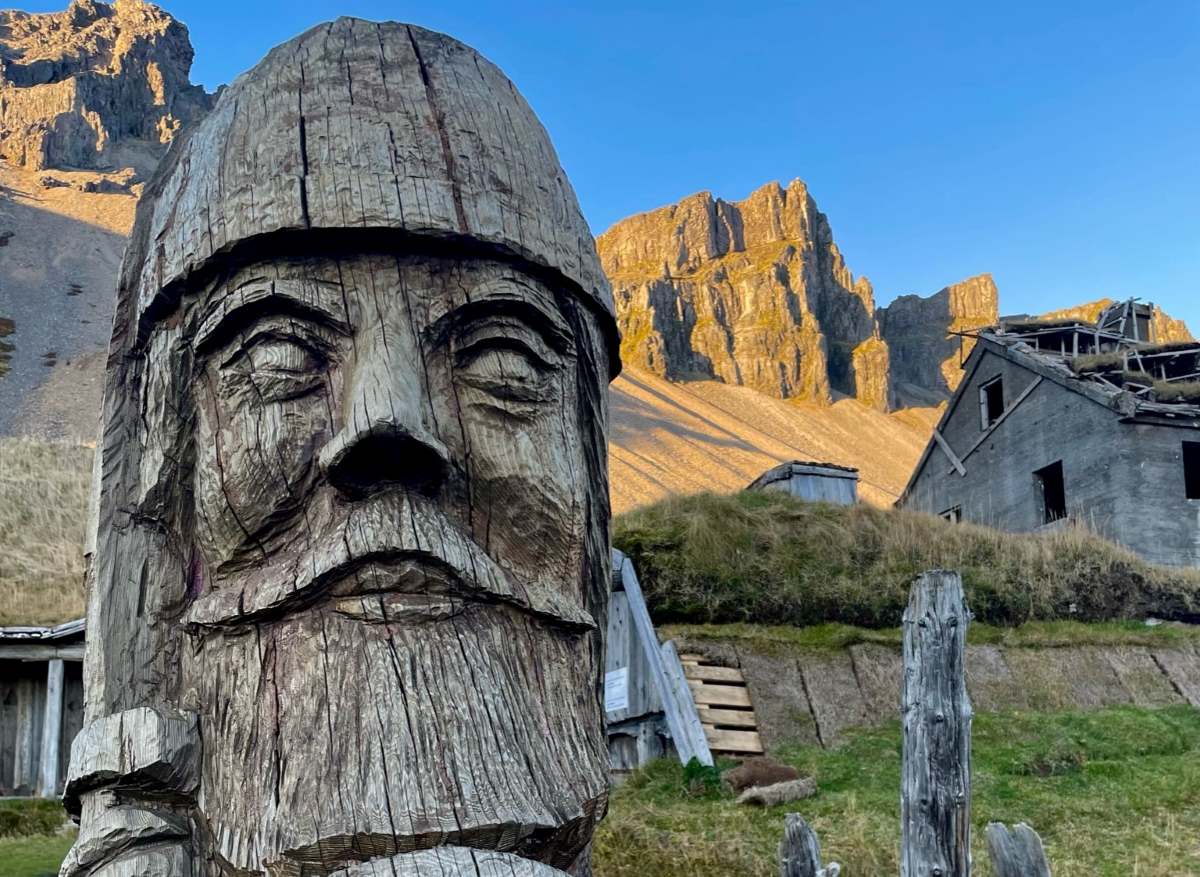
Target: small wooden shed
[41, 706]
[816, 482]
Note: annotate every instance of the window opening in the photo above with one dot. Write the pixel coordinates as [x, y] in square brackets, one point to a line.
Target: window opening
[991, 402]
[1052, 489]
[1191, 469]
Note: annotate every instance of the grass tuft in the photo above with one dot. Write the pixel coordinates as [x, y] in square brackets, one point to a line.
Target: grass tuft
[43, 511]
[767, 558]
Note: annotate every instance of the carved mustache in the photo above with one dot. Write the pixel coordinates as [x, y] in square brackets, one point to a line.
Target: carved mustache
[396, 559]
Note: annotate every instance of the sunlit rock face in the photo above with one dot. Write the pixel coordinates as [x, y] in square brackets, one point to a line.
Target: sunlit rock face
[94, 87]
[926, 355]
[753, 293]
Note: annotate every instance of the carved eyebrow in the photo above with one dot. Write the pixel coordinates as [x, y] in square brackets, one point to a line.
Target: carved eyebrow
[550, 326]
[259, 298]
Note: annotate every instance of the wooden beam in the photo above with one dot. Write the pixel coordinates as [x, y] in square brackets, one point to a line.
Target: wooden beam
[682, 720]
[35, 651]
[1025, 394]
[945, 446]
[935, 791]
[51, 730]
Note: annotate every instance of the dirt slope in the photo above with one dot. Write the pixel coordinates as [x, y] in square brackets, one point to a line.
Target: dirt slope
[58, 270]
[668, 438]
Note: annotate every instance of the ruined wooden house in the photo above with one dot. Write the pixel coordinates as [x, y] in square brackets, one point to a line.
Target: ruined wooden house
[1073, 420]
[41, 706]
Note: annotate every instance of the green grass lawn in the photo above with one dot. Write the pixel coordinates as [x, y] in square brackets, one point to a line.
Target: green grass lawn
[34, 856]
[1112, 792]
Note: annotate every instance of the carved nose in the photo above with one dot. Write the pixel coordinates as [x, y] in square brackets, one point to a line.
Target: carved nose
[360, 462]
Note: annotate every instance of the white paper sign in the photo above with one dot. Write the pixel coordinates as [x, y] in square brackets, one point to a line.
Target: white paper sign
[616, 690]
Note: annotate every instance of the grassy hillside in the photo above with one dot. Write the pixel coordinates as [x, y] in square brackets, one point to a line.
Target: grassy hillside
[1113, 793]
[43, 509]
[767, 558]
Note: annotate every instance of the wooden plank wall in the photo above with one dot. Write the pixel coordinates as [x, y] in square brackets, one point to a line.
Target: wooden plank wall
[72, 720]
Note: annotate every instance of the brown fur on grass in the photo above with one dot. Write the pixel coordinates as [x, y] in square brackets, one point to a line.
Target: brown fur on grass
[43, 511]
[758, 772]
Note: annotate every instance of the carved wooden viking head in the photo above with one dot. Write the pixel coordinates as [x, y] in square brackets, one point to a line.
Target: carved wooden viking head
[351, 565]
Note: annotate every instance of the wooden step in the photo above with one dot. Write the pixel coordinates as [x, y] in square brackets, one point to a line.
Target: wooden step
[727, 718]
[713, 674]
[719, 695]
[742, 742]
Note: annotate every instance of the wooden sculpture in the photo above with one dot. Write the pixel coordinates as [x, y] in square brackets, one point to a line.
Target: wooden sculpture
[351, 559]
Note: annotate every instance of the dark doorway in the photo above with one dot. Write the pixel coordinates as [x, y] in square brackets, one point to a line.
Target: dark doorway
[1191, 469]
[1052, 490]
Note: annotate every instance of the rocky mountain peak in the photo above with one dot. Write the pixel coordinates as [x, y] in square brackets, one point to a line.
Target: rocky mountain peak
[95, 87]
[753, 293]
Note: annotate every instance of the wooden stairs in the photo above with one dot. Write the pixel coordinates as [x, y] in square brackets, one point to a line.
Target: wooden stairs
[723, 704]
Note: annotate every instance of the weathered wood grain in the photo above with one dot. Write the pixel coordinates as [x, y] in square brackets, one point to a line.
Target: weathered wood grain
[1016, 853]
[51, 730]
[800, 851]
[349, 580]
[935, 794]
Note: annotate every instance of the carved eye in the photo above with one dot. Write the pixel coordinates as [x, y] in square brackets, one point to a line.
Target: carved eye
[275, 365]
[507, 360]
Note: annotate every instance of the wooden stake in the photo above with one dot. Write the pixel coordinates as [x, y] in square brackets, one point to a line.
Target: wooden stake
[1018, 853]
[800, 851]
[935, 797]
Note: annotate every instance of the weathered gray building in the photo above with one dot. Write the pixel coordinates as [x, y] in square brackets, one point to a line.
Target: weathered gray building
[1073, 420]
[41, 706]
[815, 482]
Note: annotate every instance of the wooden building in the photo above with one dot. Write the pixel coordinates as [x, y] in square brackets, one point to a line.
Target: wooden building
[1070, 421]
[815, 482]
[41, 706]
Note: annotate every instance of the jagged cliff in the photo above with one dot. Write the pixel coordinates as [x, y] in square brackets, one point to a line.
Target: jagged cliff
[756, 293]
[925, 354]
[95, 87]
[753, 293]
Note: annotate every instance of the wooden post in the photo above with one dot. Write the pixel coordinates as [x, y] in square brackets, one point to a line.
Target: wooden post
[1018, 853]
[682, 719]
[51, 730]
[800, 851]
[935, 797]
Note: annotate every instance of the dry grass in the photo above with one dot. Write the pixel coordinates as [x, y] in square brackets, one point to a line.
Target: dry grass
[1182, 391]
[43, 510]
[767, 558]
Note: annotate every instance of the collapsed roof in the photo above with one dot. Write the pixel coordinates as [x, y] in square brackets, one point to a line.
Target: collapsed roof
[1116, 360]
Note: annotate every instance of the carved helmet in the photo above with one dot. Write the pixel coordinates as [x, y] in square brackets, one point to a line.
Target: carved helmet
[365, 134]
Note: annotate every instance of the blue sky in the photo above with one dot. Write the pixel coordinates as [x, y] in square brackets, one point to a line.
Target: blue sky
[1056, 145]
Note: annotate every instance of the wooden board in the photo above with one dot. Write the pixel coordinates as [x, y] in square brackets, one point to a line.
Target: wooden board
[724, 706]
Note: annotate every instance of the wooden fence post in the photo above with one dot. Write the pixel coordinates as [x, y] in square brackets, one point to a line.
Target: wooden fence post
[935, 795]
[1018, 853]
[800, 851]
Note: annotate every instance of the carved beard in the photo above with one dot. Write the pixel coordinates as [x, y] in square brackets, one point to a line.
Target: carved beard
[411, 737]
